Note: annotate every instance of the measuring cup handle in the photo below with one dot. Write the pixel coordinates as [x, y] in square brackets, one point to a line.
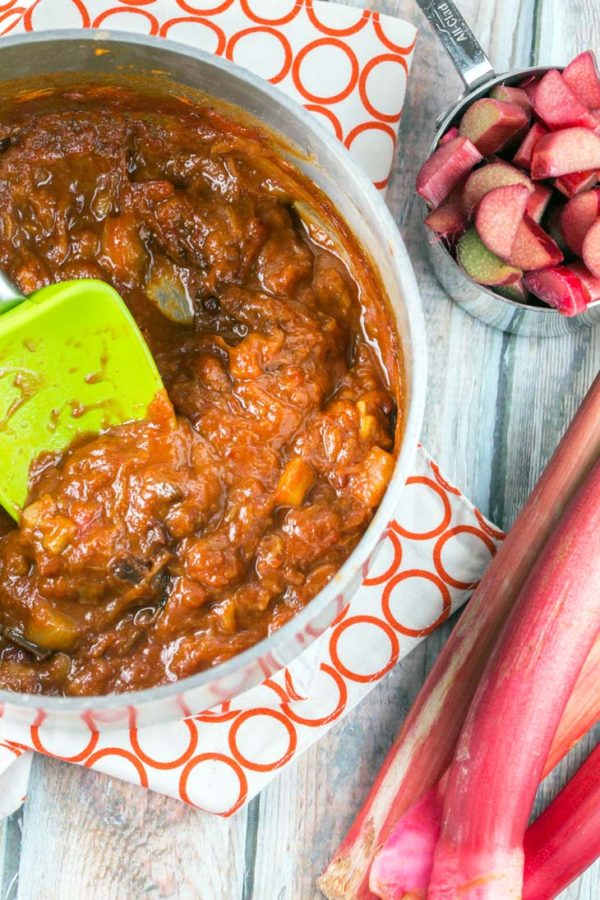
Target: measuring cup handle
[459, 42]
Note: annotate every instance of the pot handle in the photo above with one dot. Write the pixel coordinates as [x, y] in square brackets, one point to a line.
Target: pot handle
[458, 41]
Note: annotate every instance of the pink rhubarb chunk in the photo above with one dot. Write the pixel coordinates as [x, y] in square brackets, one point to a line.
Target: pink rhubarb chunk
[448, 219]
[581, 75]
[530, 86]
[554, 229]
[493, 175]
[577, 217]
[560, 288]
[590, 281]
[534, 249]
[445, 168]
[515, 291]
[512, 95]
[557, 106]
[564, 152]
[523, 155]
[499, 215]
[538, 202]
[490, 124]
[449, 136]
[576, 182]
[591, 249]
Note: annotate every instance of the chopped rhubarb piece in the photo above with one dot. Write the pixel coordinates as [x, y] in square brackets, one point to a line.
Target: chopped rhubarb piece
[445, 168]
[591, 249]
[534, 249]
[560, 288]
[530, 86]
[499, 215]
[493, 175]
[481, 264]
[558, 107]
[581, 75]
[577, 217]
[590, 281]
[448, 219]
[565, 839]
[491, 124]
[516, 291]
[449, 136]
[564, 152]
[576, 182]
[554, 229]
[523, 155]
[512, 95]
[538, 202]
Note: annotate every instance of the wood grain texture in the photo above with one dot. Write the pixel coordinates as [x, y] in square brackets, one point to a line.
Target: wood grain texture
[497, 406]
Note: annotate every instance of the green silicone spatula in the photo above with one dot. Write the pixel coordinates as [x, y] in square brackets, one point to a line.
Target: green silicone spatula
[72, 362]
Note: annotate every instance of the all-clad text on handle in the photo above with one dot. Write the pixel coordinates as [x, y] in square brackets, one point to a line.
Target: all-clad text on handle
[459, 42]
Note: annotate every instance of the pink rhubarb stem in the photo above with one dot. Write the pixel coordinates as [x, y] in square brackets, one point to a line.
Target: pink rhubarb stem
[516, 711]
[425, 744]
[402, 867]
[582, 712]
[565, 839]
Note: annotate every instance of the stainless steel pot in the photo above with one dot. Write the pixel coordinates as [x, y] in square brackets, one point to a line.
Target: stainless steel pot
[325, 161]
[479, 77]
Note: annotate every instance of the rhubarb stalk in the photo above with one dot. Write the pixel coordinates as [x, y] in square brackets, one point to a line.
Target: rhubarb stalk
[565, 839]
[425, 745]
[402, 867]
[582, 712]
[517, 709]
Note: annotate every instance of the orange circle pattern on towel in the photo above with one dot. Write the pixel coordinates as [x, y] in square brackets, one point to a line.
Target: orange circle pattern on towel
[348, 66]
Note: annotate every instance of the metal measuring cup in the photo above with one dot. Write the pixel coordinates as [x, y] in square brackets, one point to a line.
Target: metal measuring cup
[479, 77]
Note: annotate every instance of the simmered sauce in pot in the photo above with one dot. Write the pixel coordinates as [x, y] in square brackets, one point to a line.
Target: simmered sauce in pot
[163, 547]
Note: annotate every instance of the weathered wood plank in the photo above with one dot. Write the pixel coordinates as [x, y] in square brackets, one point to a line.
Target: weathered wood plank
[87, 835]
[10, 853]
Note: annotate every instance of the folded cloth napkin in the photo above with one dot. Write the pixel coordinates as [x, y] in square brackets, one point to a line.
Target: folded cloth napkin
[349, 67]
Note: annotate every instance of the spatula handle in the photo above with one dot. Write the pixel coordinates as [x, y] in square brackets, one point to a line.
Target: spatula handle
[10, 295]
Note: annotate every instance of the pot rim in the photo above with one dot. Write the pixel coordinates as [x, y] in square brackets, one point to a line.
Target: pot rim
[415, 342]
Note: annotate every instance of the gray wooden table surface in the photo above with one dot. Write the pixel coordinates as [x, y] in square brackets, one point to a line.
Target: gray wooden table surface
[496, 408]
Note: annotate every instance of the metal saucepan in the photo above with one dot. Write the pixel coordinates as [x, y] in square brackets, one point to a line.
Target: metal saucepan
[479, 78]
[324, 160]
